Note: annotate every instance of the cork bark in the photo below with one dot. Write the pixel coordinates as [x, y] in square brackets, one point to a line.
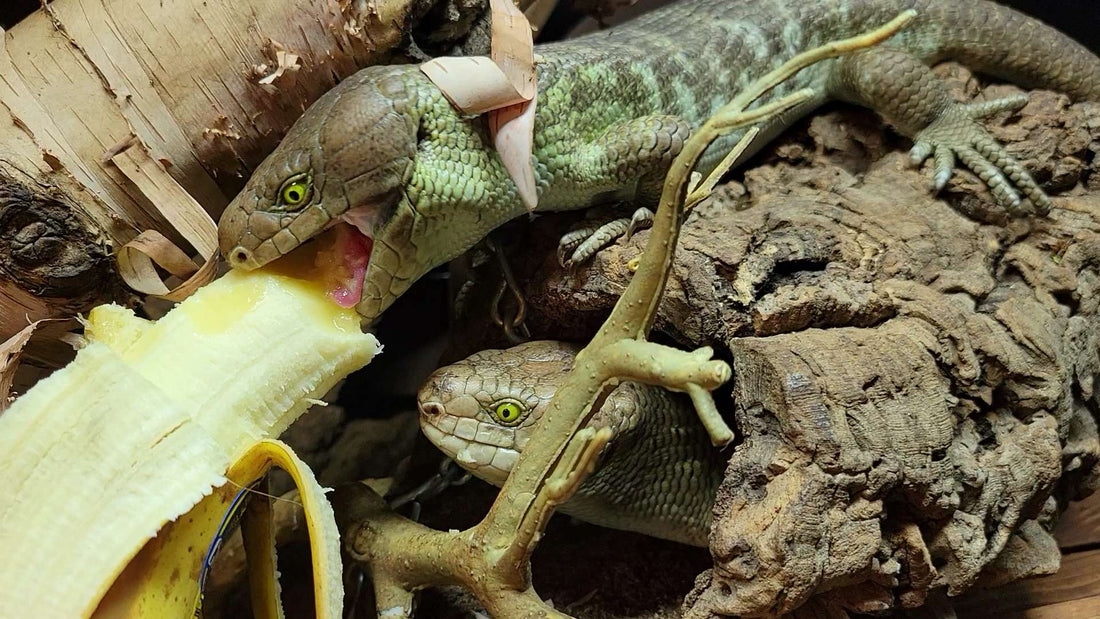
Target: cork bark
[914, 376]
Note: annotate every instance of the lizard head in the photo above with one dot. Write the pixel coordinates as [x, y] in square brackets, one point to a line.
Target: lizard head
[480, 411]
[345, 160]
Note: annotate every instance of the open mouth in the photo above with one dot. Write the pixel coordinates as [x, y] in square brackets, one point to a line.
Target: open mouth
[348, 256]
[336, 260]
[353, 251]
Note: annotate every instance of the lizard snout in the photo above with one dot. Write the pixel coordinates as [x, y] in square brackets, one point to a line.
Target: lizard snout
[238, 243]
[240, 258]
[431, 410]
[230, 230]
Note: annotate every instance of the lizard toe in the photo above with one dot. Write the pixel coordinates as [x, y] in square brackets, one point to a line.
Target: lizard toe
[956, 137]
[1017, 175]
[992, 176]
[569, 243]
[921, 150]
[578, 246]
[988, 108]
[640, 220]
[945, 167]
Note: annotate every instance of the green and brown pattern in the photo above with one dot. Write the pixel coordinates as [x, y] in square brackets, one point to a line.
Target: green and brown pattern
[613, 109]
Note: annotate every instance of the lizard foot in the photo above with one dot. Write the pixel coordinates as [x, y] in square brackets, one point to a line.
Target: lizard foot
[957, 135]
[578, 246]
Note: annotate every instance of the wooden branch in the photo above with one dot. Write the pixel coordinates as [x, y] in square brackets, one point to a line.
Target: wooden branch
[493, 558]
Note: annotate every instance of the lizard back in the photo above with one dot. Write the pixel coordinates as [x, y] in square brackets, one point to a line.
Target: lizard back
[690, 58]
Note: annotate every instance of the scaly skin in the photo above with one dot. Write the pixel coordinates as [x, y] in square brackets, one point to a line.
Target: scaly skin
[613, 109]
[659, 473]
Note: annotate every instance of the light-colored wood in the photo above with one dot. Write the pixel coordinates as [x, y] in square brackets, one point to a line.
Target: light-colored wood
[1084, 608]
[184, 79]
[1079, 527]
[1078, 579]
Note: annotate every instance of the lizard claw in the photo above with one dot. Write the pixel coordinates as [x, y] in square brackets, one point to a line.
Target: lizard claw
[956, 135]
[640, 220]
[578, 246]
[569, 243]
[945, 166]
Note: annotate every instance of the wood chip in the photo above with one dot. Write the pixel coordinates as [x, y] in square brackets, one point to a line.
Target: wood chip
[477, 84]
[513, 47]
[513, 131]
[473, 84]
[286, 61]
[9, 361]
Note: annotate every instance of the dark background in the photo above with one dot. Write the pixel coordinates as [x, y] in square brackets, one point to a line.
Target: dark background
[11, 11]
[1079, 18]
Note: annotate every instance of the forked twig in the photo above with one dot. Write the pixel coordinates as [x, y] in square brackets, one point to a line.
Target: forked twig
[492, 559]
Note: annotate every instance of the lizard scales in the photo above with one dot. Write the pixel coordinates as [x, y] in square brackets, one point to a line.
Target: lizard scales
[658, 475]
[385, 151]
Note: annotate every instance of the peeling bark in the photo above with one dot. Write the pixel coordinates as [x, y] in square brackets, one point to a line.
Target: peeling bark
[80, 80]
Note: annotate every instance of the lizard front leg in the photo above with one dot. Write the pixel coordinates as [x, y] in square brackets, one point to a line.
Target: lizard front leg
[634, 154]
[910, 96]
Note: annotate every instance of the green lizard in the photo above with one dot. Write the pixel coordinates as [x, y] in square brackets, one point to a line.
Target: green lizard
[386, 152]
[658, 476]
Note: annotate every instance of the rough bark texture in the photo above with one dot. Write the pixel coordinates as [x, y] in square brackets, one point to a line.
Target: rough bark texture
[915, 378]
[914, 389]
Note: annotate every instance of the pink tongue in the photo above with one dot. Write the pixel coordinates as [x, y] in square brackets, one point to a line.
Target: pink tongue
[356, 250]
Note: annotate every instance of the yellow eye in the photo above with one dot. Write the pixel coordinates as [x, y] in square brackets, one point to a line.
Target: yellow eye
[507, 412]
[296, 193]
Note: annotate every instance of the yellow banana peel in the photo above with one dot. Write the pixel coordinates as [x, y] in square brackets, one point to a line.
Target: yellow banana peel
[165, 579]
[168, 422]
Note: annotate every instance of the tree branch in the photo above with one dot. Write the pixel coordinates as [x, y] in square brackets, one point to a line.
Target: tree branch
[493, 558]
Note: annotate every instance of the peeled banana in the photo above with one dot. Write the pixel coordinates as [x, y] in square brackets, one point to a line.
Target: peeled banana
[145, 427]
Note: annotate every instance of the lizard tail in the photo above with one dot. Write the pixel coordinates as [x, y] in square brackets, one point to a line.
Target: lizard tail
[1004, 43]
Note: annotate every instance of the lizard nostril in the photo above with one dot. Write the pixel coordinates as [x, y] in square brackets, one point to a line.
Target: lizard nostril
[239, 257]
[431, 409]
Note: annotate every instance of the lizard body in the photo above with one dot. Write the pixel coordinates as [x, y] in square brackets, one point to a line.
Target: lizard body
[385, 151]
[658, 475]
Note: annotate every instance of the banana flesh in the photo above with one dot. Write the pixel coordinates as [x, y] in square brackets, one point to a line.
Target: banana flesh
[146, 425]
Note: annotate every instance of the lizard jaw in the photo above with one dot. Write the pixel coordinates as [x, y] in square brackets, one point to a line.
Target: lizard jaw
[489, 454]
